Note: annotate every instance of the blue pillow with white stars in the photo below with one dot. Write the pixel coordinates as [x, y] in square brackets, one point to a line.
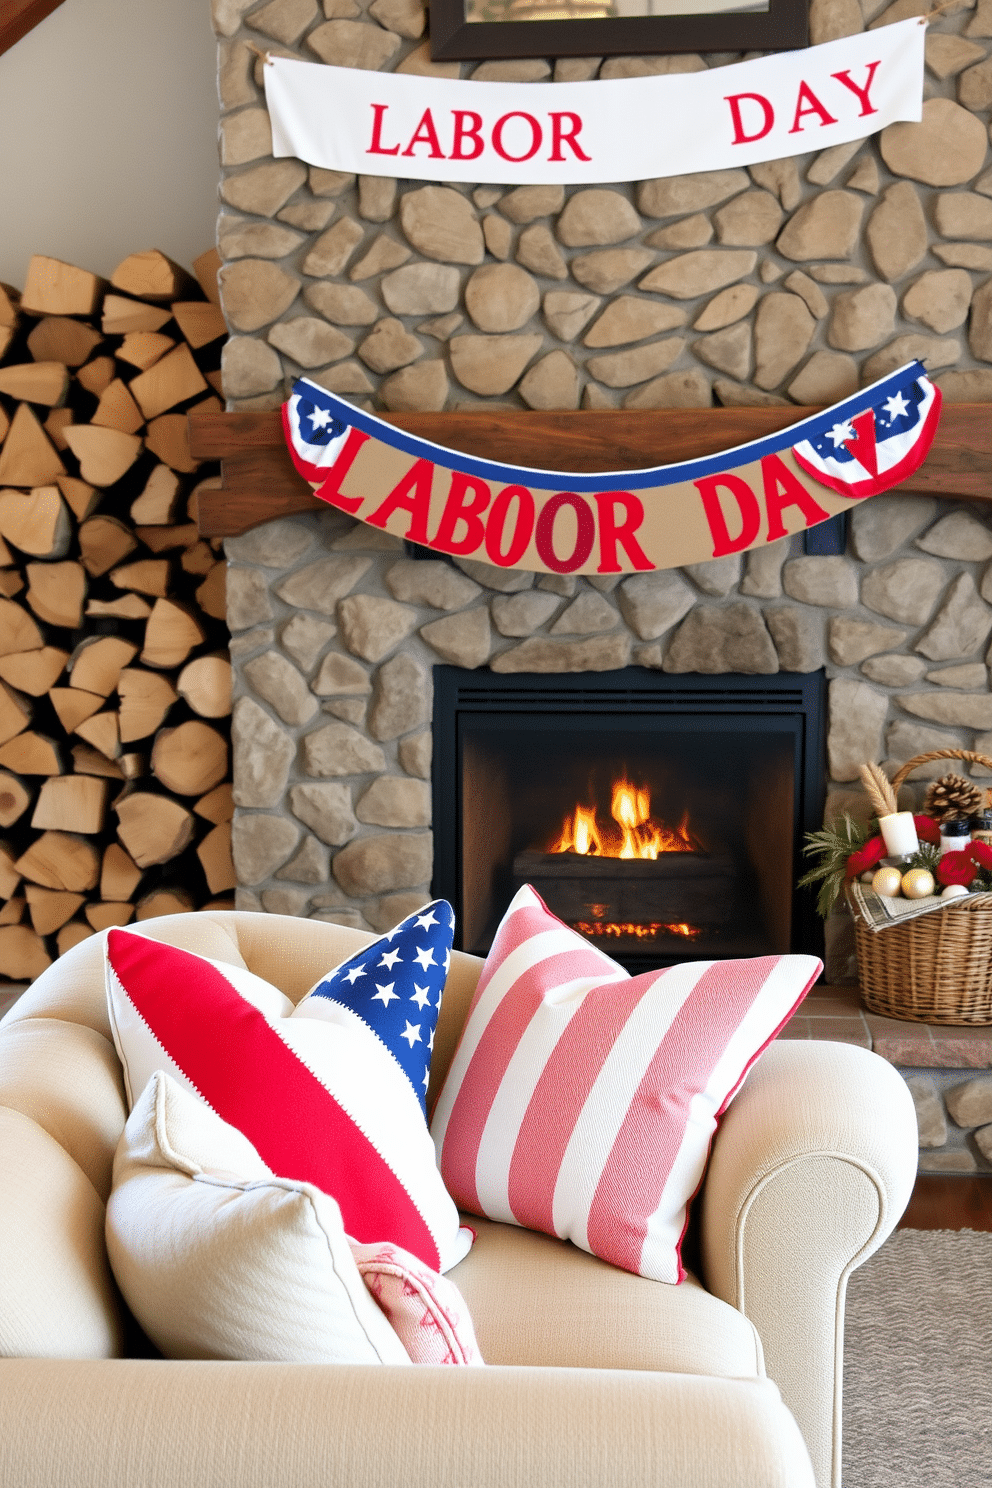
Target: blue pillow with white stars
[393, 987]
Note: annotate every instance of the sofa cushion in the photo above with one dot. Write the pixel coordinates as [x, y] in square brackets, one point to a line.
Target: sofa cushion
[57, 1296]
[582, 1101]
[317, 1093]
[67, 1077]
[541, 1302]
[219, 1259]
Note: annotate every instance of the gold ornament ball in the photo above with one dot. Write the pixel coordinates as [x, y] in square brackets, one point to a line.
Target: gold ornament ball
[887, 882]
[917, 883]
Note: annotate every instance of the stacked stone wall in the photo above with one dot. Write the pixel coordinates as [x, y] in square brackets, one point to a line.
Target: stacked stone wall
[796, 280]
[335, 631]
[954, 1112]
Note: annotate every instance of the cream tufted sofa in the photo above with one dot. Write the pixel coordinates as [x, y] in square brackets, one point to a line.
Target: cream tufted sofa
[601, 1377]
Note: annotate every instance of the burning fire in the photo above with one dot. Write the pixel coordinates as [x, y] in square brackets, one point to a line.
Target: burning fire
[631, 834]
[636, 931]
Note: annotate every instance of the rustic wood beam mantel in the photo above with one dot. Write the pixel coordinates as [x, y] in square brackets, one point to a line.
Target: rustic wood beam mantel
[18, 17]
[260, 482]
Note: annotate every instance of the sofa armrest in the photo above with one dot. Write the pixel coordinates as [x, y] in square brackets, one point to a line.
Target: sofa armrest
[811, 1168]
[164, 1424]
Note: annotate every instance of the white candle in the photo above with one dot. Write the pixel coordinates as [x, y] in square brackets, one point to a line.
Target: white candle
[899, 833]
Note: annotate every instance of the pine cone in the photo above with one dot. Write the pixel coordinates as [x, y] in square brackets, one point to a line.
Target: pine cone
[951, 796]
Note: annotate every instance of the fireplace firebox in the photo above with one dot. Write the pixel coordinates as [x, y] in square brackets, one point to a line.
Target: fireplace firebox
[660, 815]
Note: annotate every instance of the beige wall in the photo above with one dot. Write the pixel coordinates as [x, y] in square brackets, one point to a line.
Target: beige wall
[108, 118]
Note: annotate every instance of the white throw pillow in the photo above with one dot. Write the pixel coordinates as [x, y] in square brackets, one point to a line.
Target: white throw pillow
[219, 1259]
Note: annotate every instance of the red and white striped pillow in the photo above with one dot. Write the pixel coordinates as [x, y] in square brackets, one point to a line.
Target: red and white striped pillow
[582, 1101]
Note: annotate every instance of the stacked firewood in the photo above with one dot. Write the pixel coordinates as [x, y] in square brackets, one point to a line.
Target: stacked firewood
[115, 680]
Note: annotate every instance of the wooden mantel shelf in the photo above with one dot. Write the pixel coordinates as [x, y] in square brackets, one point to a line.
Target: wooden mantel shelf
[260, 482]
[18, 17]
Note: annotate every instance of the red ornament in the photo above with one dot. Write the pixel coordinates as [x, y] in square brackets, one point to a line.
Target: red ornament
[865, 857]
[956, 868]
[981, 853]
[927, 830]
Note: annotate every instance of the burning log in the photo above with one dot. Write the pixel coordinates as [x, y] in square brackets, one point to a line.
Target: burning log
[629, 879]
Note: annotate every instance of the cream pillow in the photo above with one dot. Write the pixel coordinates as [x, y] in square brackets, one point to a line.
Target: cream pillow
[219, 1259]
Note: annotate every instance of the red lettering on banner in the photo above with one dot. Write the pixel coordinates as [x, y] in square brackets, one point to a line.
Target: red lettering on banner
[330, 491]
[585, 532]
[459, 509]
[468, 141]
[376, 147]
[536, 137]
[523, 526]
[611, 532]
[463, 132]
[426, 134]
[861, 93]
[747, 502]
[782, 489]
[812, 106]
[562, 136]
[741, 137]
[412, 494]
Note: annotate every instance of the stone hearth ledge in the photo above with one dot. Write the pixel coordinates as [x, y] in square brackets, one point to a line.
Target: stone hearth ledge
[939, 1062]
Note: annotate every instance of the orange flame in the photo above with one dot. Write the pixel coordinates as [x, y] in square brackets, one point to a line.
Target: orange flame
[634, 835]
[631, 929]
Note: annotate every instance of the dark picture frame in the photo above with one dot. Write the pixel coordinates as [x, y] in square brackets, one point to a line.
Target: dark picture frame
[782, 27]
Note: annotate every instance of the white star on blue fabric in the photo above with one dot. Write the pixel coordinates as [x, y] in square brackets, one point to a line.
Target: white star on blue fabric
[841, 433]
[411, 954]
[896, 406]
[320, 418]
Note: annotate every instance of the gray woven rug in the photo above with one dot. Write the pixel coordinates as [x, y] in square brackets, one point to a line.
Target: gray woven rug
[918, 1364]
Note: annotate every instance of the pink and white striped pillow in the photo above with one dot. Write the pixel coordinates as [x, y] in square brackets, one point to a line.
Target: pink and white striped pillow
[582, 1101]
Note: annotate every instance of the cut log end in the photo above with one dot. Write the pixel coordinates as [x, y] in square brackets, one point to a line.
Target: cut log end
[107, 595]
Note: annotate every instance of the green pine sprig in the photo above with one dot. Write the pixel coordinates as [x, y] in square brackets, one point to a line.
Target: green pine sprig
[833, 845]
[927, 856]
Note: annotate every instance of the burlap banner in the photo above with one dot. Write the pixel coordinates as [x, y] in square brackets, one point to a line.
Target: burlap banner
[629, 521]
[619, 129]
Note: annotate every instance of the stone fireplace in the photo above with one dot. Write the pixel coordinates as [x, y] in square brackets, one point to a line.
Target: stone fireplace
[336, 631]
[791, 283]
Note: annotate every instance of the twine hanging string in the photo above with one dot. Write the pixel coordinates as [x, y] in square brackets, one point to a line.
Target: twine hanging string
[928, 16]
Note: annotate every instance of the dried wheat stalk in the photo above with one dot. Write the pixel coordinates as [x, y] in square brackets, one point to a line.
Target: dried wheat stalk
[879, 790]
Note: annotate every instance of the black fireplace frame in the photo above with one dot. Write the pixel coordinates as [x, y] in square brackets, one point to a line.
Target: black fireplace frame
[461, 696]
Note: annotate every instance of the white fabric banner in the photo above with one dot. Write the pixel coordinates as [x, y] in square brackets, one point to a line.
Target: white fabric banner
[624, 129]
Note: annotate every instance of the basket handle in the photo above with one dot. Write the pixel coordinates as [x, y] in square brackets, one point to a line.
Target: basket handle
[968, 755]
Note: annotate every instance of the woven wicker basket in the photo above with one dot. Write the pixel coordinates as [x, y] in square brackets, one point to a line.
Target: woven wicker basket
[937, 968]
